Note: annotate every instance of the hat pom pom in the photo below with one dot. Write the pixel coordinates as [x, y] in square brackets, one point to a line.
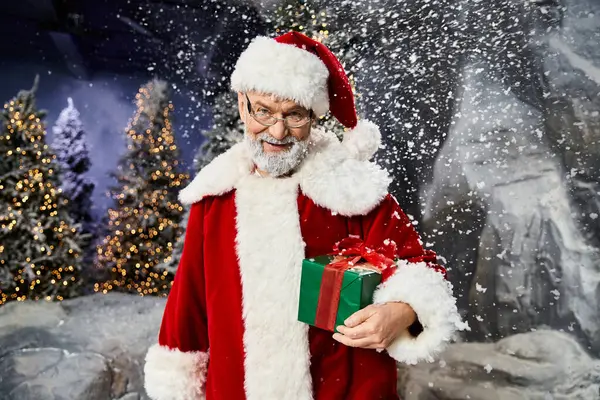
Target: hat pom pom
[363, 140]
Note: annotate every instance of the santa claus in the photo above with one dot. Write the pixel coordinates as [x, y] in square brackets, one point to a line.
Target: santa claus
[287, 192]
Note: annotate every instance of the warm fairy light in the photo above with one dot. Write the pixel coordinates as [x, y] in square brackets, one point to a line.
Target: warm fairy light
[146, 205]
[302, 18]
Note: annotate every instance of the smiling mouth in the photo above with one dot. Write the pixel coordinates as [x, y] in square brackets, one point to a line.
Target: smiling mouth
[276, 146]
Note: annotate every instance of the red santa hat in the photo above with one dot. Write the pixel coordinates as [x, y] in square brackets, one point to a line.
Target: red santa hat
[296, 67]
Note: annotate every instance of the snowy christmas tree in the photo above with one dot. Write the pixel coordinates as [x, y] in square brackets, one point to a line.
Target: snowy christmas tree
[145, 223]
[73, 158]
[39, 244]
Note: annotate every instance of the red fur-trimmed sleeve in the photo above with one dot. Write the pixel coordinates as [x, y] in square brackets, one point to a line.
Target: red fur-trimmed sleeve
[418, 281]
[176, 366]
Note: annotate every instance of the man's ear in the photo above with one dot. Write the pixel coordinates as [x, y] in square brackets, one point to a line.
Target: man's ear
[242, 106]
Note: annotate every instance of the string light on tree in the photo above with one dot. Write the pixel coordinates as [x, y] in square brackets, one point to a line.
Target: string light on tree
[302, 16]
[145, 222]
[39, 244]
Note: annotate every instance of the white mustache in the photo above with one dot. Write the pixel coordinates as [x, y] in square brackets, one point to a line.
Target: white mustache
[271, 140]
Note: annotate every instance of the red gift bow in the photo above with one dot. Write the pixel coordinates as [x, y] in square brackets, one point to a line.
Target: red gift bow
[354, 250]
[382, 258]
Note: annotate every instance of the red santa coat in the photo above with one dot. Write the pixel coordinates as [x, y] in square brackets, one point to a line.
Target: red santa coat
[229, 329]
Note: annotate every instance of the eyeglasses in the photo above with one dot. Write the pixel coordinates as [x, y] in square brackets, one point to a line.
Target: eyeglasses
[295, 119]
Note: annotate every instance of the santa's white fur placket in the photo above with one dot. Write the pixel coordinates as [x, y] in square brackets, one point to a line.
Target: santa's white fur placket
[270, 251]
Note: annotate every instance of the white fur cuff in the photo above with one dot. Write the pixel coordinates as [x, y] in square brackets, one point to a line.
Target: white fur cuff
[171, 374]
[430, 295]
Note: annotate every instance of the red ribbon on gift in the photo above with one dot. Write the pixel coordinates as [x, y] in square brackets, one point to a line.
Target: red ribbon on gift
[350, 252]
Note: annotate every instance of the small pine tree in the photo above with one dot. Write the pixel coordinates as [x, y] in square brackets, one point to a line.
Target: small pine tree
[39, 244]
[73, 157]
[144, 225]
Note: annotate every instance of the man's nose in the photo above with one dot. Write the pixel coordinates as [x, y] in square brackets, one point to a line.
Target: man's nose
[279, 130]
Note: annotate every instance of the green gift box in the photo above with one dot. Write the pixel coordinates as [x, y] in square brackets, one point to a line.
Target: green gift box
[356, 292]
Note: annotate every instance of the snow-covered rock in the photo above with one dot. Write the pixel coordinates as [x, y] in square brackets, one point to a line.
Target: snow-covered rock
[500, 212]
[87, 348]
[514, 198]
[538, 365]
[571, 62]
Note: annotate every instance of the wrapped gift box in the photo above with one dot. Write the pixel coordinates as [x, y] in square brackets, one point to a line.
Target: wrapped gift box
[326, 305]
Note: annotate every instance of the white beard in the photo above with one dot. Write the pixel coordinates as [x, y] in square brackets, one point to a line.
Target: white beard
[280, 163]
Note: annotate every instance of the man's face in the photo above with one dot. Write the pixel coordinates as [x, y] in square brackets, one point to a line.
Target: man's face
[276, 149]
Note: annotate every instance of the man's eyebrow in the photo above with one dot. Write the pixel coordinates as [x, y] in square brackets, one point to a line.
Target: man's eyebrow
[260, 103]
[295, 108]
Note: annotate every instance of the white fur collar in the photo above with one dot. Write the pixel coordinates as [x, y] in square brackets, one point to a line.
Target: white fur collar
[334, 175]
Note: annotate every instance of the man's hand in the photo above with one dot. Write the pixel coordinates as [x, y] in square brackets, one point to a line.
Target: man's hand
[376, 326]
